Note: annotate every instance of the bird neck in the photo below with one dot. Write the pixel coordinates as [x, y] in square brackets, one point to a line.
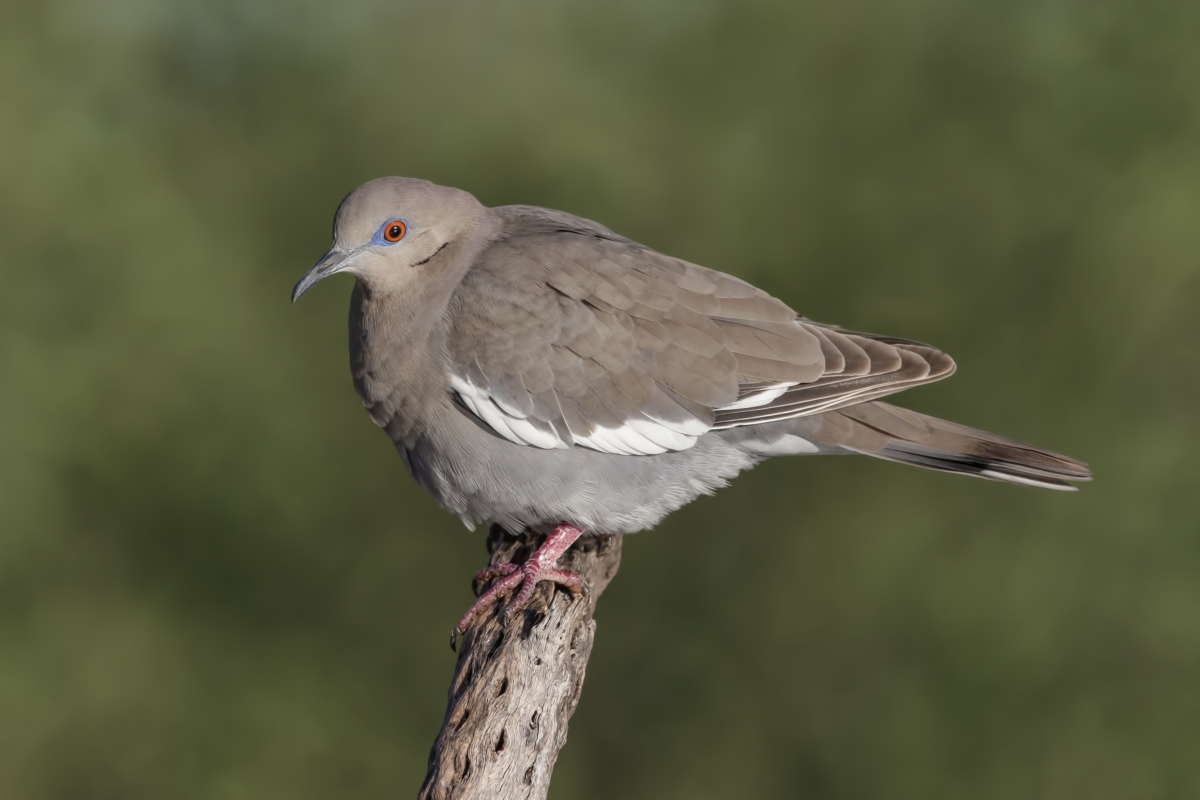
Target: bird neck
[398, 341]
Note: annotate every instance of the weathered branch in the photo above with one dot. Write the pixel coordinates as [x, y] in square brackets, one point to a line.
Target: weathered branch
[516, 686]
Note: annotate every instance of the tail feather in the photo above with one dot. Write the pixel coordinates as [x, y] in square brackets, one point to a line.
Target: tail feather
[897, 434]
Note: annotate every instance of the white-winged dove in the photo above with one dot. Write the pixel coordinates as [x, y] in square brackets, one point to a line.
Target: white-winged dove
[535, 369]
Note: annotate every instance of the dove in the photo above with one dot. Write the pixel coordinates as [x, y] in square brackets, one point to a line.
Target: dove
[537, 370]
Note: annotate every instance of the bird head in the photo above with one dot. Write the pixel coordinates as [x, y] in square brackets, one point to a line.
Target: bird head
[389, 228]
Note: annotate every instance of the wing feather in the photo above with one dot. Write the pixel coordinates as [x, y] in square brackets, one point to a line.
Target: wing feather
[565, 334]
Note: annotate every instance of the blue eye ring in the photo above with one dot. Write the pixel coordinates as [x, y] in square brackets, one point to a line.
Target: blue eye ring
[391, 232]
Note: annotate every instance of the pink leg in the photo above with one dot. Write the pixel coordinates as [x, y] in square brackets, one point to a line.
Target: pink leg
[539, 567]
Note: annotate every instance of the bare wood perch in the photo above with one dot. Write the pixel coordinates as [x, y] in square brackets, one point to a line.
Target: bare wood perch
[516, 686]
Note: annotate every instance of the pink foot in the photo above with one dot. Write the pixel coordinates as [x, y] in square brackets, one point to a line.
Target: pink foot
[538, 568]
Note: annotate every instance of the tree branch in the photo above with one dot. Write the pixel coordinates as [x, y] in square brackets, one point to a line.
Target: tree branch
[516, 686]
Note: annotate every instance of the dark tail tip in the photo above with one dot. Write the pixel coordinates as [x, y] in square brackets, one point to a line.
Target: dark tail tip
[1020, 466]
[924, 441]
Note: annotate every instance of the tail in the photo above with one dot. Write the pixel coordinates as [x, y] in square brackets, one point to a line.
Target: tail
[897, 434]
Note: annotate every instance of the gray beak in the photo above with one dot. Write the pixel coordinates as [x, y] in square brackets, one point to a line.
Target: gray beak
[332, 262]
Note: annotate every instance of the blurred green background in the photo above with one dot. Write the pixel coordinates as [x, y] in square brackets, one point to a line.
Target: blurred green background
[217, 581]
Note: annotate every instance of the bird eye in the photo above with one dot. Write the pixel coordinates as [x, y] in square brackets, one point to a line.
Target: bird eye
[394, 231]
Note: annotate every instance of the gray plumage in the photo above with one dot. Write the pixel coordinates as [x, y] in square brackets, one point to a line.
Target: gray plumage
[534, 368]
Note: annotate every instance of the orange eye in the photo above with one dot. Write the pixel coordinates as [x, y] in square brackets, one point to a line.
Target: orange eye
[394, 231]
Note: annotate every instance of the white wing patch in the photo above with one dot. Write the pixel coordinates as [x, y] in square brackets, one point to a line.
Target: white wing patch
[515, 427]
[759, 398]
[639, 436]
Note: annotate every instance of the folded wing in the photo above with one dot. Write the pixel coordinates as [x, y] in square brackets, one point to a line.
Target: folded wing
[567, 335]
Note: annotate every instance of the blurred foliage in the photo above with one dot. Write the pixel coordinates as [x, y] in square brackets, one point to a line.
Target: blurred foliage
[216, 580]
